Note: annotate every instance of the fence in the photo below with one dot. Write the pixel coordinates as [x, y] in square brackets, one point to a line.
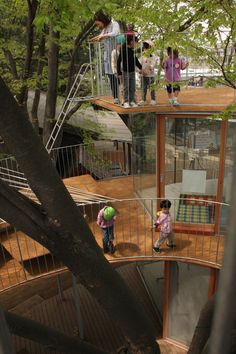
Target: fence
[199, 241]
[102, 159]
[115, 76]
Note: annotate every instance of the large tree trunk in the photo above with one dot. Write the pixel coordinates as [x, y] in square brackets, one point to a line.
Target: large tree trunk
[75, 246]
[34, 110]
[48, 337]
[32, 8]
[51, 99]
[203, 328]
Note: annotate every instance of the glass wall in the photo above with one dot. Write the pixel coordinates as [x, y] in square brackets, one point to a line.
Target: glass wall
[188, 294]
[192, 150]
[143, 126]
[153, 275]
[228, 171]
[229, 160]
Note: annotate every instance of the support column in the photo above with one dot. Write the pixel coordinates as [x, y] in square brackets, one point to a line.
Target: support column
[166, 297]
[212, 282]
[160, 156]
[220, 184]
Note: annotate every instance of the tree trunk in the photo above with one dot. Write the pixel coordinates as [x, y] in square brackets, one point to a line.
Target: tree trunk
[76, 246]
[12, 63]
[34, 110]
[203, 328]
[86, 30]
[51, 100]
[32, 8]
[48, 337]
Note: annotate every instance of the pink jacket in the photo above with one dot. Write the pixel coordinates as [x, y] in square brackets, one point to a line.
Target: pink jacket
[103, 223]
[165, 223]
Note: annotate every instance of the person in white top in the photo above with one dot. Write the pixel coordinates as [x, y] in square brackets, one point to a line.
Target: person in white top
[148, 62]
[110, 29]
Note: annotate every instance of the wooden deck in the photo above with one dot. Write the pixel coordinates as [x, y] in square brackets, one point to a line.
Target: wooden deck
[190, 99]
[134, 237]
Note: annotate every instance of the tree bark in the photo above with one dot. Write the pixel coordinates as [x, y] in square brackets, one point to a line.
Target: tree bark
[86, 30]
[48, 337]
[12, 63]
[51, 100]
[76, 247]
[34, 110]
[32, 8]
[203, 328]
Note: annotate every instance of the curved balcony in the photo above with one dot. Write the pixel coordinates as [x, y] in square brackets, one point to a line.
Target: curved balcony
[199, 242]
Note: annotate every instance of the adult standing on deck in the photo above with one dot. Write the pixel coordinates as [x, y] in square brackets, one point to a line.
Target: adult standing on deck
[110, 29]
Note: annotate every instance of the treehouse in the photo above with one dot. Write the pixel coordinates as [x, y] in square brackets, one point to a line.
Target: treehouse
[181, 152]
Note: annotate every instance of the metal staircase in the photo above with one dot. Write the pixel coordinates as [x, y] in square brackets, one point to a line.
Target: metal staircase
[69, 103]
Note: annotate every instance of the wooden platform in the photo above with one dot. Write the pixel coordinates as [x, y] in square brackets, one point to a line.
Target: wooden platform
[190, 99]
[134, 237]
[22, 247]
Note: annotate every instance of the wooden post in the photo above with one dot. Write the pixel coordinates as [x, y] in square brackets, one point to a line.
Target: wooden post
[129, 159]
[160, 156]
[124, 157]
[220, 184]
[212, 282]
[166, 297]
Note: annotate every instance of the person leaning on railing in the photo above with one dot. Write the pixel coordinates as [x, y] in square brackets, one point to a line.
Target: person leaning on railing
[129, 61]
[173, 66]
[110, 29]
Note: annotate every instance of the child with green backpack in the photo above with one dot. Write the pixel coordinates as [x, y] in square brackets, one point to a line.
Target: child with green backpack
[105, 220]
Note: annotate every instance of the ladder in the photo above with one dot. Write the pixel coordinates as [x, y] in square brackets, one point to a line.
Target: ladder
[68, 103]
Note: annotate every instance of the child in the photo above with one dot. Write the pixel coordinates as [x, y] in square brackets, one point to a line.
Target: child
[148, 63]
[129, 61]
[105, 220]
[114, 57]
[165, 224]
[172, 65]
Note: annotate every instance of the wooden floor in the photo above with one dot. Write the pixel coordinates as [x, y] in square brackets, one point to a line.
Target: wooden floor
[167, 347]
[134, 235]
[190, 99]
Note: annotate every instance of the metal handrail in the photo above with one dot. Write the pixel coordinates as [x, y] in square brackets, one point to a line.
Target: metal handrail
[134, 239]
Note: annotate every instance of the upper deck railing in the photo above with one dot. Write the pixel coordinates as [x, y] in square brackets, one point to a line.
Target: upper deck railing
[113, 77]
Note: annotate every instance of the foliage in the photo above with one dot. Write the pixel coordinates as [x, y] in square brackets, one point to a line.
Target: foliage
[226, 114]
[204, 31]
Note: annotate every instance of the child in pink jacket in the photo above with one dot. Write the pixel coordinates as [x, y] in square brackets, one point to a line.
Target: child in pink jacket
[164, 222]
